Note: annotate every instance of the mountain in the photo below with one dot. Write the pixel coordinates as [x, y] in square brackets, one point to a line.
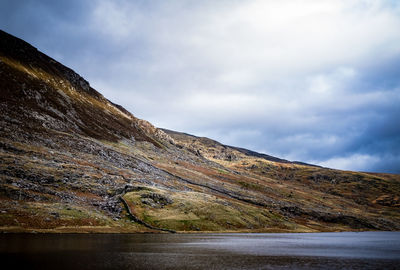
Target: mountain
[73, 161]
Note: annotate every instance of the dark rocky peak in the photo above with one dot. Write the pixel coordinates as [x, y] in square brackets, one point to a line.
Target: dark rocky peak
[42, 94]
[24, 53]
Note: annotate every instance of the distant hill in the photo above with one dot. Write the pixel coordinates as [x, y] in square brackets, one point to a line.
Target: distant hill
[73, 161]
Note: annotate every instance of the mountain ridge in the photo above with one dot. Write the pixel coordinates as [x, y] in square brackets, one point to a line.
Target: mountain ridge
[73, 161]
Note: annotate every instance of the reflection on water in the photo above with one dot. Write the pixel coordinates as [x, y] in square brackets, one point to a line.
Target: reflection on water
[366, 250]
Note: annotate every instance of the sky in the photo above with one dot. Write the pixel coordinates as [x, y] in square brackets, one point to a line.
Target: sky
[307, 80]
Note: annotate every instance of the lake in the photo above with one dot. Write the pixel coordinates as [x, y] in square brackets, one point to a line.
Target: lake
[346, 250]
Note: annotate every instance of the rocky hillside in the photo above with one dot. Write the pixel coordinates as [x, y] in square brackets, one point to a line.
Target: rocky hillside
[73, 161]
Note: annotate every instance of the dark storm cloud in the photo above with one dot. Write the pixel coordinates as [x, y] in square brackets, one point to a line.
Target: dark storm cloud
[315, 81]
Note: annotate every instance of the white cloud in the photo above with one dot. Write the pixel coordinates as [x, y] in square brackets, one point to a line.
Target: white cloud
[112, 19]
[359, 162]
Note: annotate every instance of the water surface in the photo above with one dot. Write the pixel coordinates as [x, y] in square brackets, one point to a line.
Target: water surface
[349, 250]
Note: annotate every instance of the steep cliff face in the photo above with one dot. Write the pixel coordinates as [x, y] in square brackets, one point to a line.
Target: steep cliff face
[71, 160]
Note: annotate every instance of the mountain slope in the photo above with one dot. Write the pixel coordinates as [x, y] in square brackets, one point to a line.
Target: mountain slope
[73, 161]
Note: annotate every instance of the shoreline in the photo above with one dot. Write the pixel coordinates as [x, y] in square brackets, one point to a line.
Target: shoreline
[110, 230]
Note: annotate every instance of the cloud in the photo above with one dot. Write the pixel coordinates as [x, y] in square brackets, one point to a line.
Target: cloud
[352, 162]
[315, 81]
[363, 162]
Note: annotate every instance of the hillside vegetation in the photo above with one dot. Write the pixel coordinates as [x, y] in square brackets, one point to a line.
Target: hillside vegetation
[73, 161]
